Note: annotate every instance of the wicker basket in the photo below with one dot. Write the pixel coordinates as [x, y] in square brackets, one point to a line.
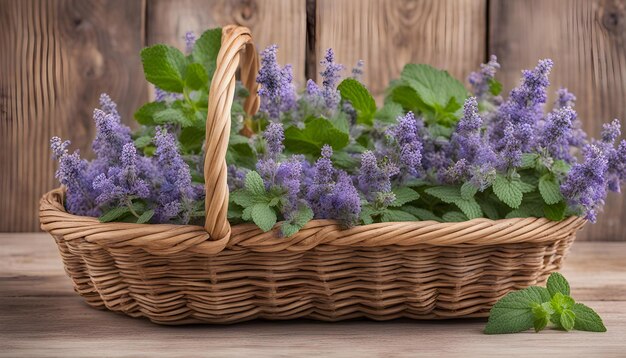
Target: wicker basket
[174, 274]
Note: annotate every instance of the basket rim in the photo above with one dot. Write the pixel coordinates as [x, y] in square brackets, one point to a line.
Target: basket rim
[164, 239]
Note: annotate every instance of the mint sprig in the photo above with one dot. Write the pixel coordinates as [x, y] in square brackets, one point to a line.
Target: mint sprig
[535, 307]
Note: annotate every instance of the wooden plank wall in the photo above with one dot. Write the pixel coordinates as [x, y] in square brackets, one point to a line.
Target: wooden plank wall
[58, 55]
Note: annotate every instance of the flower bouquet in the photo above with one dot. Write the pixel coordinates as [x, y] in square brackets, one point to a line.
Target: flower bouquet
[320, 203]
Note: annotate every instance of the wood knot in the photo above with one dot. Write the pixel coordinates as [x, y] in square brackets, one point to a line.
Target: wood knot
[614, 18]
[244, 12]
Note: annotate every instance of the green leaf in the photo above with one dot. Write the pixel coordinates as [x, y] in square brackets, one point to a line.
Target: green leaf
[489, 209]
[196, 77]
[587, 319]
[529, 160]
[508, 190]
[191, 139]
[555, 212]
[114, 214]
[206, 49]
[550, 189]
[145, 114]
[421, 213]
[560, 167]
[435, 88]
[513, 312]
[541, 317]
[301, 218]
[389, 113]
[567, 319]
[407, 97]
[468, 190]
[263, 216]
[242, 197]
[495, 87]
[316, 133]
[254, 184]
[404, 195]
[391, 215]
[143, 141]
[360, 98]
[452, 195]
[366, 215]
[174, 115]
[164, 67]
[557, 283]
[454, 216]
[145, 217]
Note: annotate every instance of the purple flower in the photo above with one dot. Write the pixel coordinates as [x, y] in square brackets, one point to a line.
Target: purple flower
[616, 173]
[564, 98]
[511, 145]
[289, 179]
[274, 137]
[611, 131]
[164, 96]
[585, 184]
[523, 109]
[373, 179]
[467, 138]
[556, 134]
[407, 146]
[357, 71]
[277, 90]
[330, 79]
[190, 41]
[236, 177]
[176, 185]
[345, 201]
[481, 80]
[111, 134]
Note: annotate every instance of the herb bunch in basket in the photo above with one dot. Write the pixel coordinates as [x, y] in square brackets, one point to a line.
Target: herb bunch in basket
[432, 151]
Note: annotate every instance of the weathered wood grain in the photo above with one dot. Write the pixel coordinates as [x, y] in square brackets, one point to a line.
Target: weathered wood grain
[40, 316]
[587, 41]
[56, 58]
[387, 34]
[281, 22]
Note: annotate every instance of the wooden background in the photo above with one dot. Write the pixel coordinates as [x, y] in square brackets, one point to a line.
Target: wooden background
[57, 56]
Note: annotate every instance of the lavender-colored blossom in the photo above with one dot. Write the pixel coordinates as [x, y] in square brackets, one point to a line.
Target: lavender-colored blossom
[236, 177]
[289, 178]
[190, 41]
[176, 186]
[330, 79]
[345, 201]
[585, 184]
[611, 131]
[274, 137]
[319, 192]
[357, 71]
[523, 109]
[407, 145]
[564, 98]
[616, 172]
[372, 179]
[164, 96]
[481, 80]
[467, 138]
[511, 145]
[277, 91]
[111, 134]
[555, 136]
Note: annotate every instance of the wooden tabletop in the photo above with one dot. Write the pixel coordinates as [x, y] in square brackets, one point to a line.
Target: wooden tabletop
[41, 316]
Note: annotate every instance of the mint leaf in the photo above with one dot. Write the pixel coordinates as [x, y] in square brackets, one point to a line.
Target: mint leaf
[404, 195]
[495, 87]
[529, 160]
[174, 115]
[557, 283]
[435, 88]
[263, 216]
[206, 49]
[513, 312]
[550, 189]
[114, 214]
[242, 197]
[452, 195]
[391, 215]
[164, 67]
[360, 98]
[389, 113]
[587, 319]
[454, 216]
[316, 133]
[541, 317]
[143, 141]
[421, 213]
[567, 319]
[196, 77]
[508, 190]
[301, 218]
[555, 212]
[145, 114]
[145, 217]
[254, 184]
[468, 190]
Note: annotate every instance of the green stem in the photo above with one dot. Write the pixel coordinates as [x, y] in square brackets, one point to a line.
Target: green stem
[129, 204]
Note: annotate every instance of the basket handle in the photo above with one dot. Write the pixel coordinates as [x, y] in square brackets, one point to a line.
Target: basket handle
[236, 44]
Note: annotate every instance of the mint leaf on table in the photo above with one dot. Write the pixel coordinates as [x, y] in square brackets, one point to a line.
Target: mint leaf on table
[360, 98]
[164, 67]
[535, 307]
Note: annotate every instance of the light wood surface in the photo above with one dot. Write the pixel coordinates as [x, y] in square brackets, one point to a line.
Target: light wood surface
[587, 41]
[40, 316]
[387, 34]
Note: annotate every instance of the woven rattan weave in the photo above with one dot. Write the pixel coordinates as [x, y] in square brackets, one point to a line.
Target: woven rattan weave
[177, 274]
